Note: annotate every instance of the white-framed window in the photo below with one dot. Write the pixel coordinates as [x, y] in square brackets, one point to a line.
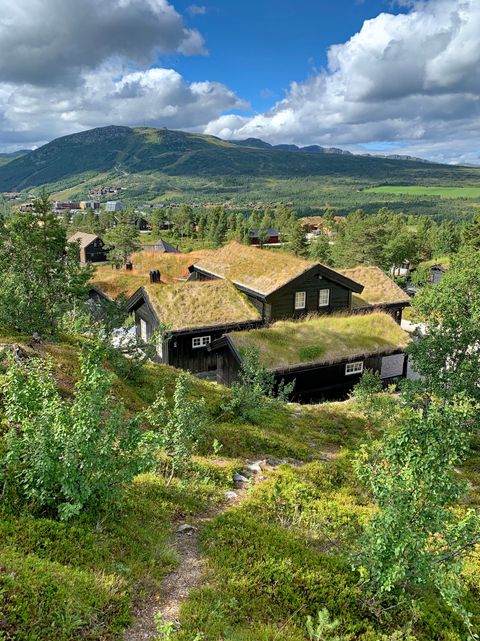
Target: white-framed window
[300, 300]
[143, 330]
[324, 298]
[354, 368]
[201, 341]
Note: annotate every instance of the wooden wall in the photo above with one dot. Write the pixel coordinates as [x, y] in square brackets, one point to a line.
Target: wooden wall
[282, 302]
[327, 382]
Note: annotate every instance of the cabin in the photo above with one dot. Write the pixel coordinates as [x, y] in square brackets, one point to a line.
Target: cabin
[162, 247]
[268, 236]
[141, 223]
[277, 284]
[92, 248]
[324, 355]
[194, 315]
[379, 292]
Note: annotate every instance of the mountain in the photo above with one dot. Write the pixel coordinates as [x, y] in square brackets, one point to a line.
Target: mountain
[12, 155]
[74, 158]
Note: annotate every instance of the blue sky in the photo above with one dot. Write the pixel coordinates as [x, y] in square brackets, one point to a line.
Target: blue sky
[257, 48]
[363, 75]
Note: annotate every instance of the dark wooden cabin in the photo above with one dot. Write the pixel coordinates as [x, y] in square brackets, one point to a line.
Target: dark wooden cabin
[269, 237]
[320, 373]
[380, 292]
[92, 248]
[278, 284]
[194, 315]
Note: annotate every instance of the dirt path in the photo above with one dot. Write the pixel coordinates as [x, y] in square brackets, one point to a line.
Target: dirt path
[185, 577]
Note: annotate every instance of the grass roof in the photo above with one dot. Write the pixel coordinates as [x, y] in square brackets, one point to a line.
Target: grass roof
[261, 270]
[322, 339]
[172, 266]
[379, 289]
[186, 306]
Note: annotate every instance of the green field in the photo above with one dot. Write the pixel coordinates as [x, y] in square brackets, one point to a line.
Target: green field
[417, 190]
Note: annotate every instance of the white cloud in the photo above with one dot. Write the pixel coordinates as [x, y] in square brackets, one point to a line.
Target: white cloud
[68, 65]
[43, 42]
[196, 10]
[412, 78]
[111, 95]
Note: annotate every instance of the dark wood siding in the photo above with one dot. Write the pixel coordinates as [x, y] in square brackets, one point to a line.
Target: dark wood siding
[283, 301]
[181, 354]
[95, 252]
[327, 382]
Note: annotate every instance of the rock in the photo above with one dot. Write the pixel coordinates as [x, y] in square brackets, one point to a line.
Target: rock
[254, 467]
[230, 495]
[186, 528]
[239, 478]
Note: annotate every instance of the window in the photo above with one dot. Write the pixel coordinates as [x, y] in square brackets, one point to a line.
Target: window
[354, 368]
[300, 300]
[201, 341]
[324, 298]
[143, 330]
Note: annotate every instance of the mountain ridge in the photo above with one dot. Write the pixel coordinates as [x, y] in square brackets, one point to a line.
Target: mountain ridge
[172, 152]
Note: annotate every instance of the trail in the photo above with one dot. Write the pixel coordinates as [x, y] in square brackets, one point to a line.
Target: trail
[177, 585]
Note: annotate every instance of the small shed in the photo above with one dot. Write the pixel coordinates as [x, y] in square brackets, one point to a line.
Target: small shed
[92, 247]
[162, 247]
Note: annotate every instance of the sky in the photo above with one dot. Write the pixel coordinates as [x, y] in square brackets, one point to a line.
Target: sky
[378, 76]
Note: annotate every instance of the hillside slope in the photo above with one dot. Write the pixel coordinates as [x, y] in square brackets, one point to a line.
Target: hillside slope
[177, 153]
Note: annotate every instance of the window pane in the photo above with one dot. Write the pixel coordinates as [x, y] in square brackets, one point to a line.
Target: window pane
[324, 298]
[300, 299]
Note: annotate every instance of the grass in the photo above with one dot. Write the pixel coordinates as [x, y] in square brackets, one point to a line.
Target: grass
[184, 306]
[259, 269]
[280, 556]
[172, 267]
[419, 190]
[322, 339]
[379, 289]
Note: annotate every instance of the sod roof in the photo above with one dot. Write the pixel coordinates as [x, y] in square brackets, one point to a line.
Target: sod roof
[197, 304]
[261, 270]
[114, 282]
[322, 340]
[82, 238]
[379, 289]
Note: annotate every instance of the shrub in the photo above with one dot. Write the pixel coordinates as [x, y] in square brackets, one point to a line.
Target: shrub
[256, 386]
[179, 428]
[66, 456]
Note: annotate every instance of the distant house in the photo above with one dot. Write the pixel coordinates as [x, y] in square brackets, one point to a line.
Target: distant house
[113, 205]
[279, 284]
[92, 248]
[142, 223]
[65, 205]
[268, 237]
[195, 314]
[89, 204]
[325, 356]
[379, 292]
[162, 247]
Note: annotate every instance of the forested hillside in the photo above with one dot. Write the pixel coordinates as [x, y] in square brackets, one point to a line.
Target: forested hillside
[159, 165]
